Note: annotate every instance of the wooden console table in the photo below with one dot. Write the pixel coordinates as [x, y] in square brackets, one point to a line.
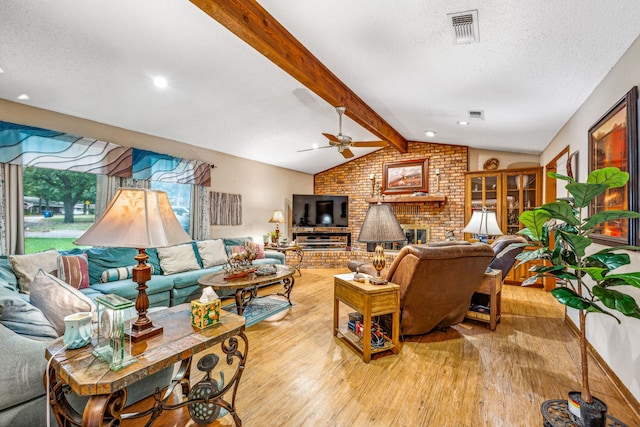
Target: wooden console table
[87, 375]
[490, 285]
[368, 300]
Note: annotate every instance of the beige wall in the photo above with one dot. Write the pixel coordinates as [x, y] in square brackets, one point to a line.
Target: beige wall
[619, 345]
[507, 159]
[263, 187]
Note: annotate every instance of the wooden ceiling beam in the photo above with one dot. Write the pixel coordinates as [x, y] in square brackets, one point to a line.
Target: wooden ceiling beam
[253, 24]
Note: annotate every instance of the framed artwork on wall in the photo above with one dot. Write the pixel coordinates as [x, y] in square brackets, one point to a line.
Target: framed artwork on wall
[613, 142]
[407, 176]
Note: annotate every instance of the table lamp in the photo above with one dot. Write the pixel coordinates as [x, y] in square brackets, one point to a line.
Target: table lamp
[483, 223]
[278, 218]
[137, 218]
[380, 226]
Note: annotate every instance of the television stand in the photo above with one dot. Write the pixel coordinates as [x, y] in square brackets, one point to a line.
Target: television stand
[323, 240]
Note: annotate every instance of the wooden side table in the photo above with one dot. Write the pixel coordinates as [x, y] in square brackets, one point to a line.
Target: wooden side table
[369, 300]
[295, 249]
[490, 285]
[87, 375]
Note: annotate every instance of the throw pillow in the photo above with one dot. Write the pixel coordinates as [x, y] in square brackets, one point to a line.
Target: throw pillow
[23, 318]
[74, 269]
[57, 299]
[212, 252]
[120, 273]
[258, 248]
[176, 259]
[236, 250]
[26, 267]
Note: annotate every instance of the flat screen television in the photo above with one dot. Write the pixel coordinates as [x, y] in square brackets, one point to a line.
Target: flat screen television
[320, 210]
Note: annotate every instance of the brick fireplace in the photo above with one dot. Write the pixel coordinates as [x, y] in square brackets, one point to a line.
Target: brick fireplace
[353, 179]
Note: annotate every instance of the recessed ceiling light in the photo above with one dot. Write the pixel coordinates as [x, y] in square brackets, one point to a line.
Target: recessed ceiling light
[315, 146]
[430, 133]
[23, 97]
[463, 123]
[1, 71]
[160, 82]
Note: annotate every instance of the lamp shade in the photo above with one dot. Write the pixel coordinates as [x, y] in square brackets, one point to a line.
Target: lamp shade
[277, 217]
[483, 223]
[136, 218]
[381, 225]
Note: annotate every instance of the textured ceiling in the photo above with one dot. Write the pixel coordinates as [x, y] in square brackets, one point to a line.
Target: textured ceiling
[536, 62]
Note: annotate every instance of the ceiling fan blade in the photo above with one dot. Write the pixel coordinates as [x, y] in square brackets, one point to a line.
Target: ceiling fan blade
[346, 153]
[313, 149]
[331, 137]
[369, 144]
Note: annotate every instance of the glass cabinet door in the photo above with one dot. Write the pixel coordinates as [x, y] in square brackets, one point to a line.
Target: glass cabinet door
[484, 192]
[521, 195]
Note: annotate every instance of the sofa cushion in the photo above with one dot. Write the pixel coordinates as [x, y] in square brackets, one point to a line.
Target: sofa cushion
[8, 278]
[26, 267]
[22, 317]
[126, 288]
[23, 364]
[235, 241]
[176, 259]
[57, 299]
[74, 270]
[190, 278]
[101, 259]
[212, 252]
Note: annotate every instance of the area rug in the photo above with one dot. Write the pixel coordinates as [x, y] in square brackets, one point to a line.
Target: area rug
[259, 309]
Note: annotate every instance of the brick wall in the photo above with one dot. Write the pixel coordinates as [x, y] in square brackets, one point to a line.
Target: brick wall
[352, 179]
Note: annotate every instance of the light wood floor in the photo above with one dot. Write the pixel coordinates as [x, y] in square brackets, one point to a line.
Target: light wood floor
[298, 374]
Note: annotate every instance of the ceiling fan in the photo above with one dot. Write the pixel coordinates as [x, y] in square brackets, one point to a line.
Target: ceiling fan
[343, 142]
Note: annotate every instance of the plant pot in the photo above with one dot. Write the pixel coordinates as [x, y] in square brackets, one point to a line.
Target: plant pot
[591, 414]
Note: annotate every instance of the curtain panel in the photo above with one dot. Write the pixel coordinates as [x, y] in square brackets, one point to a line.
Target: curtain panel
[226, 209]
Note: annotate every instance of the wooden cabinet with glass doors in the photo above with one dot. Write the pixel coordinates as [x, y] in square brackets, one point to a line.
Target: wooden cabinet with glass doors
[509, 193]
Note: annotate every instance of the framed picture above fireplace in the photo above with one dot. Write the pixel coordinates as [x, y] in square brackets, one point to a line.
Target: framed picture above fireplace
[407, 176]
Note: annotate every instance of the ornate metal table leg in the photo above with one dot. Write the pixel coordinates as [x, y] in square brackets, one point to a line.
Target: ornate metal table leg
[300, 254]
[65, 415]
[244, 297]
[288, 283]
[104, 409]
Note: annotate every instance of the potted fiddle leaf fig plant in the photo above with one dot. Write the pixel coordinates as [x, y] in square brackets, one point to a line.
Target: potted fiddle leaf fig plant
[585, 279]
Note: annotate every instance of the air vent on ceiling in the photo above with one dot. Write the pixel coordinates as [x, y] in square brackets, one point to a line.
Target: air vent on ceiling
[476, 115]
[464, 27]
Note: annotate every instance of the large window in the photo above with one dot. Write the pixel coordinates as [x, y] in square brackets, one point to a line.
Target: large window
[58, 207]
[180, 199]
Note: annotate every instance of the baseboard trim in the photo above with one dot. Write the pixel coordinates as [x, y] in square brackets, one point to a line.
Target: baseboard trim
[624, 391]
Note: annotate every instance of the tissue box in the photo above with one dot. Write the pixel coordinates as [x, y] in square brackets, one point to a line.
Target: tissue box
[205, 314]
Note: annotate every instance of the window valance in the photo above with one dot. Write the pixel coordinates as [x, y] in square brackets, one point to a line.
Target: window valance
[31, 146]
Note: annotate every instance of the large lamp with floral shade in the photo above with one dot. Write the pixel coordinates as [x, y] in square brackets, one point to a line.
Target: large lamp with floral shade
[141, 219]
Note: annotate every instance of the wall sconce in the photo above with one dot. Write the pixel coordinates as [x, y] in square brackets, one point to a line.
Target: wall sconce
[372, 177]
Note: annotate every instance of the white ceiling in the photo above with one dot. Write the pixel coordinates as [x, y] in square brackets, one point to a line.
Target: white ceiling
[536, 62]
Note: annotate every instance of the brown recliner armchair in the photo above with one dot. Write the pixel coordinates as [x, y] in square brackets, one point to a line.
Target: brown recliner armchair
[436, 282]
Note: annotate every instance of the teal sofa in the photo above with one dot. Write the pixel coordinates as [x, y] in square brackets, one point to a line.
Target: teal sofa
[25, 332]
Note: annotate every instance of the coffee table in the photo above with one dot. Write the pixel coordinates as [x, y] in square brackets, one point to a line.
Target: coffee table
[246, 288]
[90, 376]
